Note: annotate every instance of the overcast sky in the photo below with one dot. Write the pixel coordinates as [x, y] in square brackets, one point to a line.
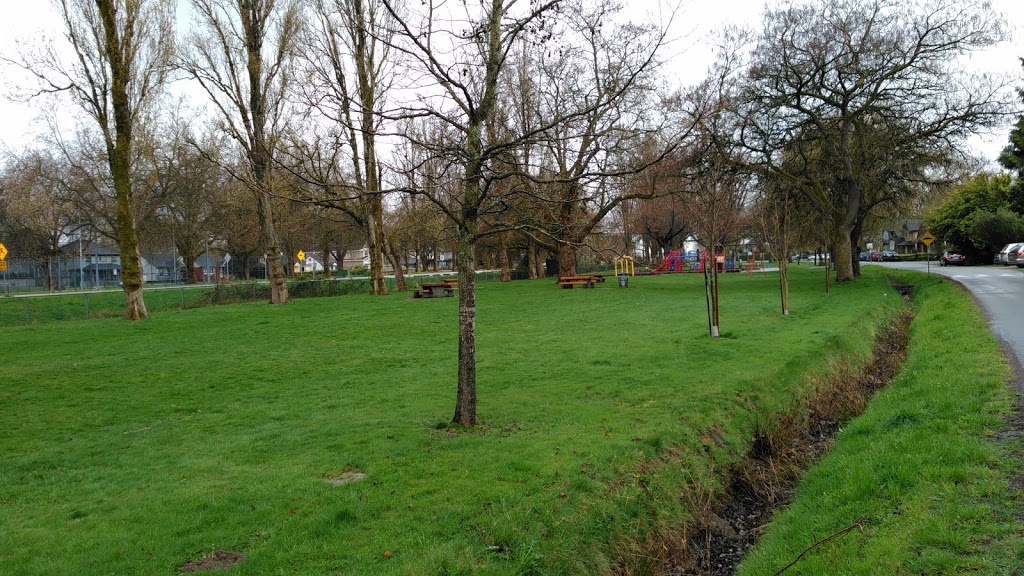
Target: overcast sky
[30, 20]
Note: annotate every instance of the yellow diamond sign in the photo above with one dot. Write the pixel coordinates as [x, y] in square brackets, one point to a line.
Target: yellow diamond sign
[927, 238]
[301, 255]
[3, 251]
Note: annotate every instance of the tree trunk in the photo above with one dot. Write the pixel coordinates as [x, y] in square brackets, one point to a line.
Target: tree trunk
[855, 234]
[506, 267]
[127, 240]
[396, 263]
[531, 260]
[271, 245]
[190, 266]
[465, 402]
[566, 259]
[374, 242]
[716, 321]
[843, 254]
[784, 285]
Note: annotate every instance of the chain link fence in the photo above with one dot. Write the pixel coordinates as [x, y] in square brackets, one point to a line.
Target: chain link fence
[19, 308]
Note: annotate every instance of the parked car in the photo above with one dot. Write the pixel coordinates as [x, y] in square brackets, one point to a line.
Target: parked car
[952, 258]
[890, 256]
[1015, 256]
[1003, 256]
[875, 256]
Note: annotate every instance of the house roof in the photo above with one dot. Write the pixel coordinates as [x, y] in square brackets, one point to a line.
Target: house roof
[912, 224]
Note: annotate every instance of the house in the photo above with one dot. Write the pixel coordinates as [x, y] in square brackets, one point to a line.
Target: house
[909, 236]
[93, 265]
[212, 267]
[312, 263]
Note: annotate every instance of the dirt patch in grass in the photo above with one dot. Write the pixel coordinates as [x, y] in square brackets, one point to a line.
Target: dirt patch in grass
[728, 525]
[215, 560]
[345, 477]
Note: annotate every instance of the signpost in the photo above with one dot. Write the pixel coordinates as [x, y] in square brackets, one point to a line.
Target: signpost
[302, 261]
[927, 238]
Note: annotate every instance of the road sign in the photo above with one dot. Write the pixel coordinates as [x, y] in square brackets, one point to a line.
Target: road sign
[227, 257]
[927, 238]
[3, 251]
[301, 255]
[3, 265]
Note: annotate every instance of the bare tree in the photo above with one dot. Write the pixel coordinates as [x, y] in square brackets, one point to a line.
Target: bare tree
[774, 212]
[38, 211]
[597, 89]
[241, 53]
[826, 77]
[121, 51]
[350, 66]
[465, 67]
[191, 186]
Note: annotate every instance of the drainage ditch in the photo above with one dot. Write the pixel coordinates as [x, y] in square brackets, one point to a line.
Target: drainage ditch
[782, 449]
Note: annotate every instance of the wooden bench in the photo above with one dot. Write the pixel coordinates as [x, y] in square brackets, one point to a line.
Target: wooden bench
[434, 290]
[586, 281]
[453, 282]
[752, 266]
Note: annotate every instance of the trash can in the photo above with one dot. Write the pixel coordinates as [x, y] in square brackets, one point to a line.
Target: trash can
[623, 280]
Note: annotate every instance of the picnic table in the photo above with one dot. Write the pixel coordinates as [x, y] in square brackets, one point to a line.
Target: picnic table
[434, 290]
[584, 280]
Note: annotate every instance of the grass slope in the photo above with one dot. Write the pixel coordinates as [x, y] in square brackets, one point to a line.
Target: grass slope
[131, 448]
[921, 466]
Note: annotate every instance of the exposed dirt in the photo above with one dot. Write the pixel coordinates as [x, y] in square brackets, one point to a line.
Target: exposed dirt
[215, 560]
[779, 454]
[345, 478]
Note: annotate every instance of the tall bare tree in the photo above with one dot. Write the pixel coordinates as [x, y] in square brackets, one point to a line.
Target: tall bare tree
[241, 53]
[350, 66]
[121, 51]
[599, 85]
[464, 64]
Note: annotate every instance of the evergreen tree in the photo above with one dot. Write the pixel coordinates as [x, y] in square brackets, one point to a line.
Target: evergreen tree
[1012, 158]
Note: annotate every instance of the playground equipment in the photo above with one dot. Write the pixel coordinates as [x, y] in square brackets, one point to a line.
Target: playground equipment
[625, 265]
[675, 261]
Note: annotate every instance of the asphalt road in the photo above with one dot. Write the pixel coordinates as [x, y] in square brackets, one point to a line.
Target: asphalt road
[999, 290]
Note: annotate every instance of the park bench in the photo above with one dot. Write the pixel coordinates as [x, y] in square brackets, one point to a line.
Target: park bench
[434, 290]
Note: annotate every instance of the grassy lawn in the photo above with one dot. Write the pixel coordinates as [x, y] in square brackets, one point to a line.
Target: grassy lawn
[926, 467]
[131, 448]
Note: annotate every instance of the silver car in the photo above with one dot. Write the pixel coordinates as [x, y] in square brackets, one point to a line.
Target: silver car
[1016, 256]
[1003, 257]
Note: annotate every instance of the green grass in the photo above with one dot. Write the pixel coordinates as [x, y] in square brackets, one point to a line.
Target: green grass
[923, 466]
[130, 448]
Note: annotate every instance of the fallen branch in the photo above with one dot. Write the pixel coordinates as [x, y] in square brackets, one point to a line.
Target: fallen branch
[835, 535]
